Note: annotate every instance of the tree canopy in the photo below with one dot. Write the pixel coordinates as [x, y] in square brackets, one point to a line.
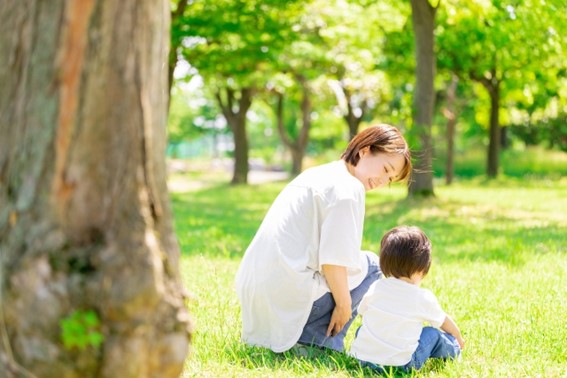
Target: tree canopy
[356, 61]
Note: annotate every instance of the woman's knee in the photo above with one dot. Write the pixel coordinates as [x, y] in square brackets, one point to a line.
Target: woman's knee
[373, 264]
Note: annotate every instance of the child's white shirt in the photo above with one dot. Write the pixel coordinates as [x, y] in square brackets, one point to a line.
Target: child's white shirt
[393, 312]
[317, 219]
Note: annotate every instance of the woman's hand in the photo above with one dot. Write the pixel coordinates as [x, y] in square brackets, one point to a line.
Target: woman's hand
[341, 316]
[336, 277]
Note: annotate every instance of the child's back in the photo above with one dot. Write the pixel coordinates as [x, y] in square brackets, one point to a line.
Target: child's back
[395, 308]
[393, 313]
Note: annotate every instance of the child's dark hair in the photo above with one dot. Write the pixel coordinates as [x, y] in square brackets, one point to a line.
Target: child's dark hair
[405, 250]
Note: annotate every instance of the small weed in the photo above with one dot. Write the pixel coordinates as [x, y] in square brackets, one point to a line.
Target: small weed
[80, 330]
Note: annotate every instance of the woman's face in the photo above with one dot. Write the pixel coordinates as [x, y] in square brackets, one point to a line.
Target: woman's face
[377, 170]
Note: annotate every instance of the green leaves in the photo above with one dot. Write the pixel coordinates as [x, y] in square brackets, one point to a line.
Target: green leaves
[237, 38]
[81, 329]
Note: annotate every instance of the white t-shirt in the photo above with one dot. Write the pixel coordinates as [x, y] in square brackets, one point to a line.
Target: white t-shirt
[393, 312]
[317, 219]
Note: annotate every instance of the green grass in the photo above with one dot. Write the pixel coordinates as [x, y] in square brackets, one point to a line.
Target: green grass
[532, 162]
[500, 268]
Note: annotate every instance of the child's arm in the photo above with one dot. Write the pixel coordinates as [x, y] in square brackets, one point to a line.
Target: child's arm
[450, 327]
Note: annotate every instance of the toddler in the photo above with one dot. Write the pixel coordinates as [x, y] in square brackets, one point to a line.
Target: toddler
[394, 309]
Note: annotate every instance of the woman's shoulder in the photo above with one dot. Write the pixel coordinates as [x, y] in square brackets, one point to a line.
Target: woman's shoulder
[333, 167]
[330, 181]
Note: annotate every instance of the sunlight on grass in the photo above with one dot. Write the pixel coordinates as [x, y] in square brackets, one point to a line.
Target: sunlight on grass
[500, 268]
[533, 163]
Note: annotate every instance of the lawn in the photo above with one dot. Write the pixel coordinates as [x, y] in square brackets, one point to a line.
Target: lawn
[500, 269]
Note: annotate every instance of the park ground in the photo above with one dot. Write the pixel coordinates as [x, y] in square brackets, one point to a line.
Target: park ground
[500, 269]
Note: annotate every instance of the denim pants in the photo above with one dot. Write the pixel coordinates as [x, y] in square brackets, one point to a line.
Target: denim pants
[433, 343]
[315, 330]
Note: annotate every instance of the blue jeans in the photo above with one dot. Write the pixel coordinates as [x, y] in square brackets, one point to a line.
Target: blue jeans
[433, 343]
[315, 330]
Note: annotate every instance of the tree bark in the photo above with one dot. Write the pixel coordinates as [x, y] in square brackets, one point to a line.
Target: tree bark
[301, 145]
[450, 114]
[85, 222]
[353, 121]
[423, 17]
[494, 141]
[297, 147]
[492, 85]
[236, 119]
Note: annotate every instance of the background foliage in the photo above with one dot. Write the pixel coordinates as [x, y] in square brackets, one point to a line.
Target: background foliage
[358, 57]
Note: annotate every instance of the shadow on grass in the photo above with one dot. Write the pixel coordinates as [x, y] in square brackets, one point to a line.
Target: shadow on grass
[220, 221]
[309, 360]
[465, 231]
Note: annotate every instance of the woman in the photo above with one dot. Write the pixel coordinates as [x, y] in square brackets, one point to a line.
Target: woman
[303, 276]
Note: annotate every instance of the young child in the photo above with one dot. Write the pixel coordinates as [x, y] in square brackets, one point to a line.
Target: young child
[394, 309]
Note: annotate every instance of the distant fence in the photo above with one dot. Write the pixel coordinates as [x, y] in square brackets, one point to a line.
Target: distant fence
[212, 146]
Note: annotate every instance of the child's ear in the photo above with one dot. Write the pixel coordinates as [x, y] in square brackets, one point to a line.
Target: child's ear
[363, 151]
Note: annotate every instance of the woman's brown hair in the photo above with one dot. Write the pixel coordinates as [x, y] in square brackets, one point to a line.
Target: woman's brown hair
[380, 138]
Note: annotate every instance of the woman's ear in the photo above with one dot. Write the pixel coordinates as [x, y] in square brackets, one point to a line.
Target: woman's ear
[363, 151]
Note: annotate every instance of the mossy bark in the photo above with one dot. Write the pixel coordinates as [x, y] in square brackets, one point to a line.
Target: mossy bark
[423, 18]
[85, 221]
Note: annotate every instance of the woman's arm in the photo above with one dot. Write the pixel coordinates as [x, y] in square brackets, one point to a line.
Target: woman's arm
[336, 277]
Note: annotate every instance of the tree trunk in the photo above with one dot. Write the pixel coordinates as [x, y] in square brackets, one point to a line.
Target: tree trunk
[450, 114]
[296, 147]
[423, 17]
[491, 82]
[303, 140]
[236, 119]
[504, 140]
[85, 222]
[492, 85]
[353, 121]
[494, 142]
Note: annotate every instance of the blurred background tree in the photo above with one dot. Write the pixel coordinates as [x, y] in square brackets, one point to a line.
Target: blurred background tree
[297, 80]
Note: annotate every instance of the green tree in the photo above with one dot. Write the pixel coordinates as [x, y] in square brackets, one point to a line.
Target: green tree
[178, 9]
[300, 65]
[234, 45]
[352, 36]
[510, 48]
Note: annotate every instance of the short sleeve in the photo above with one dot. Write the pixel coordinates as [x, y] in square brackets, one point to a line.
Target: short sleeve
[341, 235]
[431, 307]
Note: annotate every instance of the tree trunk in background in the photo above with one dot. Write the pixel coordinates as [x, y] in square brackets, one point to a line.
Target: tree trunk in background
[301, 144]
[353, 121]
[423, 17]
[492, 85]
[85, 222]
[450, 114]
[296, 147]
[236, 119]
[494, 142]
